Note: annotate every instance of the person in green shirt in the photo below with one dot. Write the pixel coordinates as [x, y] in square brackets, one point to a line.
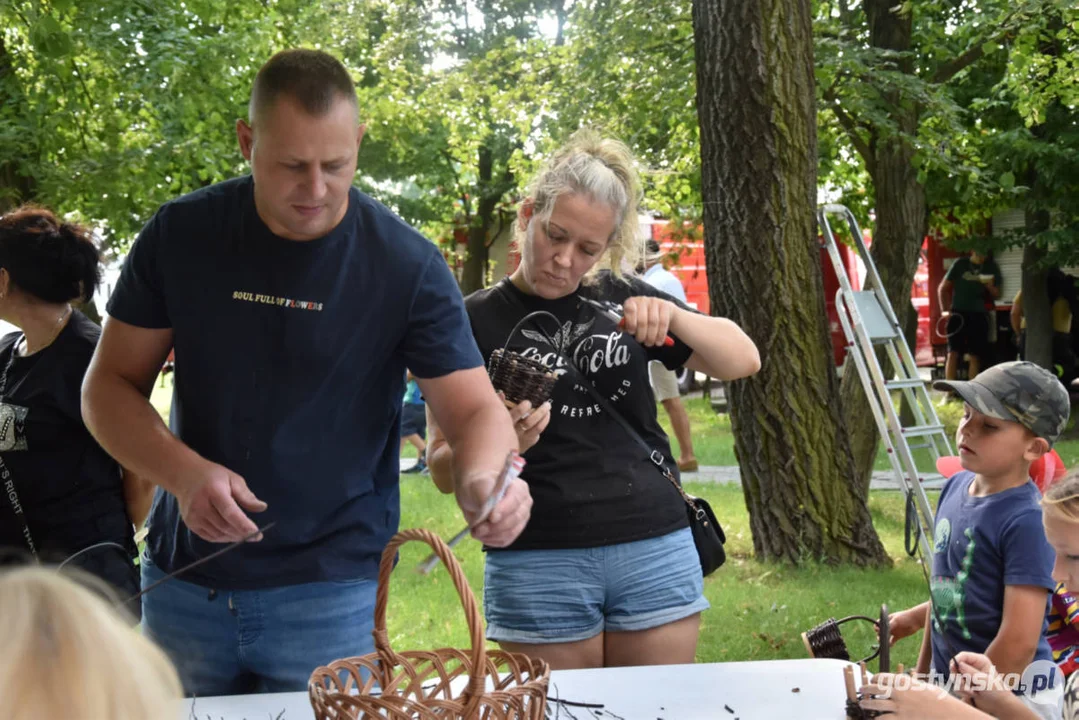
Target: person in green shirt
[966, 287]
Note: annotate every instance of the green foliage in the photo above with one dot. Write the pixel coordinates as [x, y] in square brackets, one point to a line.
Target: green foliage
[993, 88]
[115, 106]
[633, 69]
[456, 94]
[109, 108]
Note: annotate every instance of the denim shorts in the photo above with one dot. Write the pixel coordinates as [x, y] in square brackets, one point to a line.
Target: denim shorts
[557, 596]
[271, 640]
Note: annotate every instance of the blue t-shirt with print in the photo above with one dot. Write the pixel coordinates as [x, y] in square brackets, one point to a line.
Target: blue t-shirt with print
[290, 367]
[982, 544]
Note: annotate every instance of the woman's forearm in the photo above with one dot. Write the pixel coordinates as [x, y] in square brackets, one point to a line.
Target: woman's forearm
[720, 348]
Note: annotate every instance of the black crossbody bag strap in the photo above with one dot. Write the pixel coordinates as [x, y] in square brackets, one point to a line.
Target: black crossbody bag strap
[655, 456]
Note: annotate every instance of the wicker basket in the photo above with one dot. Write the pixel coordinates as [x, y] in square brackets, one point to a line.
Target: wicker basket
[520, 378]
[416, 685]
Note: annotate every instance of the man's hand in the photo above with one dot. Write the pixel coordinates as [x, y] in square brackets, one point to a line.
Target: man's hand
[509, 516]
[647, 319]
[211, 502]
[529, 424]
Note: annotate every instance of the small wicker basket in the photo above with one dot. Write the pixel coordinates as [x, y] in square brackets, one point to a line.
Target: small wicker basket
[520, 378]
[416, 685]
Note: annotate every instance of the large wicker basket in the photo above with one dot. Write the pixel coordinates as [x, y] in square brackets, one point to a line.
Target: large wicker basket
[419, 685]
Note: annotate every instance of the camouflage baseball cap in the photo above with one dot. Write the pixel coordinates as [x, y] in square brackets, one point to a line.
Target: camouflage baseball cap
[1019, 392]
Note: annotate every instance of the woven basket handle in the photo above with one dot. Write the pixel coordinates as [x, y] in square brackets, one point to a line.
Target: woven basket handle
[477, 670]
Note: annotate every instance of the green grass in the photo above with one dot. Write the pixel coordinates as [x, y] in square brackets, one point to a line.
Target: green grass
[759, 610]
[713, 441]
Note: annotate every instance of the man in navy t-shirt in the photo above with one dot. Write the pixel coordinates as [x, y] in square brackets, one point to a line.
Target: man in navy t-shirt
[294, 304]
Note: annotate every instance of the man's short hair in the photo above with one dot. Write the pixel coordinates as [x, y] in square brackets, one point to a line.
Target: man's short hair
[314, 79]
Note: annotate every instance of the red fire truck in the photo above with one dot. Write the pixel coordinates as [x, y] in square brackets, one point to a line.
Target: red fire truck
[690, 269]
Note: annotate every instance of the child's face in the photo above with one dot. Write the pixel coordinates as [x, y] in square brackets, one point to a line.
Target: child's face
[1063, 536]
[994, 447]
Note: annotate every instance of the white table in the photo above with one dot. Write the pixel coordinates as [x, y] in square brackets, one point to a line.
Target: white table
[753, 690]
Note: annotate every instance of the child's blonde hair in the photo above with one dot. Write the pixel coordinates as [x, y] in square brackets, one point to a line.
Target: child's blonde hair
[600, 168]
[68, 655]
[1062, 498]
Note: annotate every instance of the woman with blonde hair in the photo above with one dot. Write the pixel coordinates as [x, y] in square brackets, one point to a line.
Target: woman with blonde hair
[606, 572]
[982, 686]
[68, 655]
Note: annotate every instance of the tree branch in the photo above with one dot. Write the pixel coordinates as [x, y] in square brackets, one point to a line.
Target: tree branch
[851, 127]
[953, 67]
[82, 84]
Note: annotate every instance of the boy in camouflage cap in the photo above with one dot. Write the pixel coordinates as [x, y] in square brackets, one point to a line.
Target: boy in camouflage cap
[1020, 392]
[992, 566]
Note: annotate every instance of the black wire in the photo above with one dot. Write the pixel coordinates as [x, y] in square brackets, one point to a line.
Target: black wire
[198, 562]
[95, 546]
[530, 316]
[912, 534]
[912, 530]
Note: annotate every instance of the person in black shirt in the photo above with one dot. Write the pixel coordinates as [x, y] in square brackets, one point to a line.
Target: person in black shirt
[64, 498]
[606, 572]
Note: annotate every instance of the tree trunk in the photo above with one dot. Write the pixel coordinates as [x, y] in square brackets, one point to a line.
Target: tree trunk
[1036, 308]
[755, 103]
[902, 219]
[474, 272]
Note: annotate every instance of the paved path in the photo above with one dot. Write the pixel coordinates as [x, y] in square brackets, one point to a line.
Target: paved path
[882, 479]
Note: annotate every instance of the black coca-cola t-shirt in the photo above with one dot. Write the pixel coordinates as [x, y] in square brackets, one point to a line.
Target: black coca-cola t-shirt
[591, 483]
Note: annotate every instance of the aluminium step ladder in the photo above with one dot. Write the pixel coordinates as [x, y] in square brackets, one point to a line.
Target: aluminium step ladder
[869, 322]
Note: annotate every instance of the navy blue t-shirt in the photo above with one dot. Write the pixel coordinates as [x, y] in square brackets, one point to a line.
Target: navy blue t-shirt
[982, 544]
[290, 366]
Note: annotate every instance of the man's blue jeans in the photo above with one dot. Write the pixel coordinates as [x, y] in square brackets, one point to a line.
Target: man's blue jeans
[232, 642]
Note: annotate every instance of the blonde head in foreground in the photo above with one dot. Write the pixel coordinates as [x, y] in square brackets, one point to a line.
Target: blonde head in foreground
[68, 655]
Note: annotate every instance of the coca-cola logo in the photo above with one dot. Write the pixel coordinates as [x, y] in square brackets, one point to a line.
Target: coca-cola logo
[601, 351]
[591, 355]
